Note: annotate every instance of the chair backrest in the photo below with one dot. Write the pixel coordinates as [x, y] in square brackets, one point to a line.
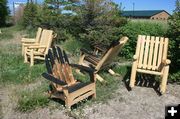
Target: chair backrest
[111, 53]
[46, 40]
[57, 64]
[150, 51]
[38, 35]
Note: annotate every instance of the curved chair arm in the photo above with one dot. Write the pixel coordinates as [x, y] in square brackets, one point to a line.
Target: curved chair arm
[166, 62]
[54, 35]
[53, 79]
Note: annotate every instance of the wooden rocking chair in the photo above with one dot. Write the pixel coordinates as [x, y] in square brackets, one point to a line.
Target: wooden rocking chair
[39, 50]
[151, 58]
[29, 41]
[106, 57]
[63, 85]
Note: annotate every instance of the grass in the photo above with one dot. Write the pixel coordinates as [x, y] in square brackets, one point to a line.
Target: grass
[30, 100]
[14, 71]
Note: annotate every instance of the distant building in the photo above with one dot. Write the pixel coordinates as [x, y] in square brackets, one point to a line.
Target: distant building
[147, 14]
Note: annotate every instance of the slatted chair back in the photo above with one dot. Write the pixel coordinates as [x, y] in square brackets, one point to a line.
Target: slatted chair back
[46, 40]
[38, 35]
[113, 51]
[151, 51]
[57, 64]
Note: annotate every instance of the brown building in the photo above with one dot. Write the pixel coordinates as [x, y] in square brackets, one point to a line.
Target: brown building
[147, 14]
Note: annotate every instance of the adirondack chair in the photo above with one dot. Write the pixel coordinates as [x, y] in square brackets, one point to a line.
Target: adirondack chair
[38, 51]
[151, 58]
[29, 41]
[102, 61]
[63, 84]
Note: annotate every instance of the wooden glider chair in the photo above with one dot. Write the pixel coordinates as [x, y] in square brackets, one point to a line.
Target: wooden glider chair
[39, 50]
[29, 41]
[99, 62]
[151, 58]
[63, 84]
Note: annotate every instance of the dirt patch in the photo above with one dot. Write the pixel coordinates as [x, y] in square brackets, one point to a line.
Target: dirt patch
[140, 103]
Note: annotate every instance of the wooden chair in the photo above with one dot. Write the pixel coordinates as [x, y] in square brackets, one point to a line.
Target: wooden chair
[106, 57]
[151, 58]
[29, 41]
[63, 84]
[39, 50]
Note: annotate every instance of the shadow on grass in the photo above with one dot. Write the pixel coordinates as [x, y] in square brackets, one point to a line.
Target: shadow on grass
[142, 80]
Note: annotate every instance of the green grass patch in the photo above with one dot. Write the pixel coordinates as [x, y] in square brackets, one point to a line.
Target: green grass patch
[30, 100]
[14, 71]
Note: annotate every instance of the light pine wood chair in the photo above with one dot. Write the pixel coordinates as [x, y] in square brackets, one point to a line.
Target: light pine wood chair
[29, 41]
[106, 57]
[63, 84]
[151, 58]
[39, 50]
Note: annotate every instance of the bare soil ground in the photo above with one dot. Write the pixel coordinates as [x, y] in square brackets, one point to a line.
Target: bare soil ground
[140, 103]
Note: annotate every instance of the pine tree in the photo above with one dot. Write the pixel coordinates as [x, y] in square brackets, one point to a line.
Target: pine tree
[3, 12]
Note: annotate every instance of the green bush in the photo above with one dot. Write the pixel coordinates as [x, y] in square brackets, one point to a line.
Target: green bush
[174, 35]
[133, 29]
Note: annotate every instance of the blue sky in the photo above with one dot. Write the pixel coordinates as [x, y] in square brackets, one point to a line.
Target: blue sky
[168, 5]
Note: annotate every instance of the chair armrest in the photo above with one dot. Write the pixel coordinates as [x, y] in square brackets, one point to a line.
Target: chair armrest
[53, 79]
[81, 67]
[99, 48]
[87, 69]
[28, 40]
[166, 61]
[135, 57]
[38, 46]
[32, 44]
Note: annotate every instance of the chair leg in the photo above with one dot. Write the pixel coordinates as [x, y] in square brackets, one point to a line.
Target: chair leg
[81, 59]
[133, 74]
[22, 49]
[25, 55]
[31, 58]
[164, 79]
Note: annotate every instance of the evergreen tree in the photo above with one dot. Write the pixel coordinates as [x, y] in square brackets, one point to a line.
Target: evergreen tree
[3, 12]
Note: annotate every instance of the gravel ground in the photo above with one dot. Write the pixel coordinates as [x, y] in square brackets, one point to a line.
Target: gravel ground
[140, 103]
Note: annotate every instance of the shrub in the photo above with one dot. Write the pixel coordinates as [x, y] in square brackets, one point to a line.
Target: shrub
[133, 29]
[174, 35]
